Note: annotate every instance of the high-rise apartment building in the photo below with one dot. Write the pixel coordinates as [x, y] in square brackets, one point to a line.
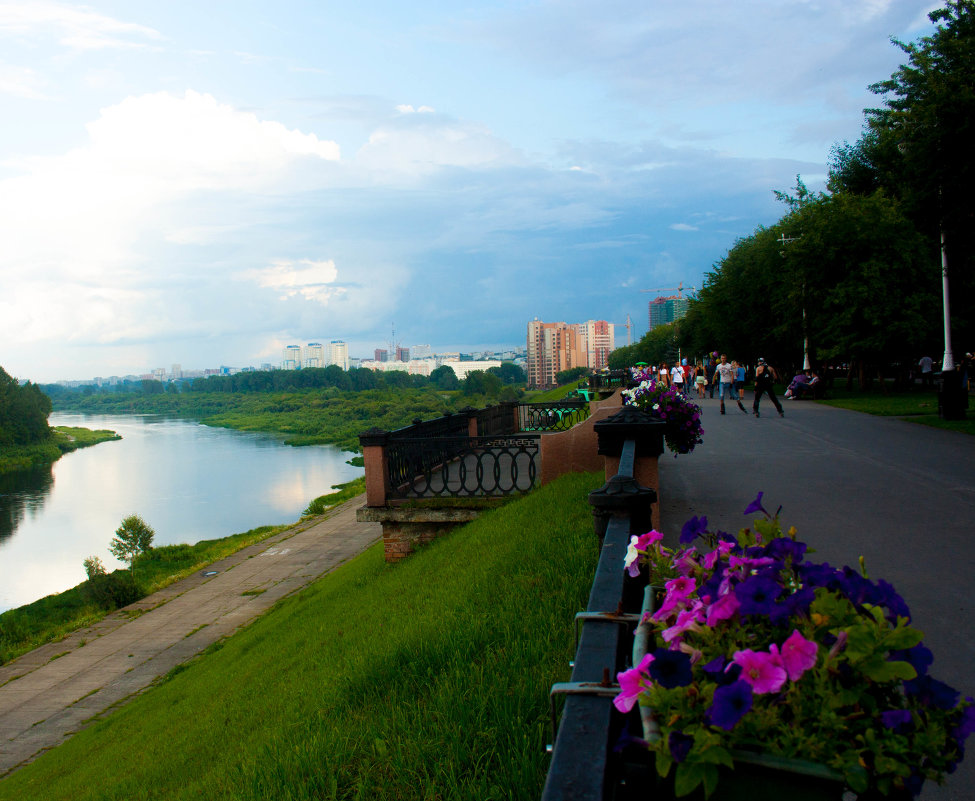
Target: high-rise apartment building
[402, 354]
[314, 355]
[597, 340]
[292, 357]
[338, 353]
[381, 355]
[552, 347]
[667, 310]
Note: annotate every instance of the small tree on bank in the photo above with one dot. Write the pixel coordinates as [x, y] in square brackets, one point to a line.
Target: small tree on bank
[94, 567]
[133, 537]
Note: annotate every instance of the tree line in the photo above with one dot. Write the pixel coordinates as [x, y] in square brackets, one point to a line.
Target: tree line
[487, 382]
[856, 269]
[24, 410]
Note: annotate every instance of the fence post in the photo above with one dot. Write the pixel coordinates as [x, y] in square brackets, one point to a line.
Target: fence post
[373, 442]
[630, 423]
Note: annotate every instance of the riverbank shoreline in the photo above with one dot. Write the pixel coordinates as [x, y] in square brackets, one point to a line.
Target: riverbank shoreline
[56, 616]
[63, 439]
[59, 688]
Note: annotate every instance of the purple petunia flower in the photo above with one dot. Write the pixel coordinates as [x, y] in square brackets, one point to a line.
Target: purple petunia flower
[757, 595]
[730, 705]
[967, 724]
[932, 692]
[671, 668]
[680, 745]
[756, 506]
[899, 721]
[782, 548]
[693, 529]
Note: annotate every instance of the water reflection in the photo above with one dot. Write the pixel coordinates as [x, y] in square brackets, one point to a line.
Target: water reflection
[188, 481]
[22, 492]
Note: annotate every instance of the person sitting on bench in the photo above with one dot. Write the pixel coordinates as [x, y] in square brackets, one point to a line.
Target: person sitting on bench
[809, 389]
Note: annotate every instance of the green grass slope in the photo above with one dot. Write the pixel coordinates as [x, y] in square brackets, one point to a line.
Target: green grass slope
[427, 679]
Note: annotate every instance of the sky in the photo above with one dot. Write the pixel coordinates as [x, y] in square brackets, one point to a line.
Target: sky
[203, 183]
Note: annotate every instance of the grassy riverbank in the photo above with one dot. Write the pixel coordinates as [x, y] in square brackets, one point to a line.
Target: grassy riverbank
[306, 417]
[424, 679]
[63, 439]
[51, 618]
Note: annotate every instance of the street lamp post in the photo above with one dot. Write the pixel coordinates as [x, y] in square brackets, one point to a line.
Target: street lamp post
[948, 363]
[806, 364]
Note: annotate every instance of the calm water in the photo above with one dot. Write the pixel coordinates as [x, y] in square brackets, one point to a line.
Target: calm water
[188, 481]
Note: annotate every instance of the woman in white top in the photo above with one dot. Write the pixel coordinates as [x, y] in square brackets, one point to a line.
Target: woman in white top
[663, 375]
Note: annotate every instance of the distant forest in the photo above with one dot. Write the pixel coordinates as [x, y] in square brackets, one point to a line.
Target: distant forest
[492, 382]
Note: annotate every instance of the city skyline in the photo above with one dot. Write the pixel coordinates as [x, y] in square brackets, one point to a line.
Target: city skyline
[202, 183]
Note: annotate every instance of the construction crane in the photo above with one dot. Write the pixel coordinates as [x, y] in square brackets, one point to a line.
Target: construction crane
[679, 289]
[629, 330]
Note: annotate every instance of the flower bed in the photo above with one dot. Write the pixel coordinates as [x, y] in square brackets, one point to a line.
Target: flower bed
[756, 649]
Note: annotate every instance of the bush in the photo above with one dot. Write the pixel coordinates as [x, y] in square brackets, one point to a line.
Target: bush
[113, 590]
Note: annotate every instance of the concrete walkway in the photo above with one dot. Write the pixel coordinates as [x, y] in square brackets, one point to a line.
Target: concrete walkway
[54, 691]
[900, 494]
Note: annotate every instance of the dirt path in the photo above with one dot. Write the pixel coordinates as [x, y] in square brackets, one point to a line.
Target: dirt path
[52, 692]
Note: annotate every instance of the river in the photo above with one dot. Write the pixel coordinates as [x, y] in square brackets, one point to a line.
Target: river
[188, 481]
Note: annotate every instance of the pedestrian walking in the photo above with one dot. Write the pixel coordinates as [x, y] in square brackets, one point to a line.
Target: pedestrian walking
[677, 378]
[739, 379]
[765, 375]
[926, 363]
[725, 373]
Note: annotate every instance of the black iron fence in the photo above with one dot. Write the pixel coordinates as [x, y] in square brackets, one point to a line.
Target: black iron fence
[461, 466]
[489, 451]
[552, 416]
[585, 765]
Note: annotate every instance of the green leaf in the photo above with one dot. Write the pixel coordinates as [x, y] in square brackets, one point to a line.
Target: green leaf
[902, 638]
[688, 777]
[879, 669]
[710, 777]
[717, 756]
[663, 763]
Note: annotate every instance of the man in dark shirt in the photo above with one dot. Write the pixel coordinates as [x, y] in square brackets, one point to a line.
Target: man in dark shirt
[764, 377]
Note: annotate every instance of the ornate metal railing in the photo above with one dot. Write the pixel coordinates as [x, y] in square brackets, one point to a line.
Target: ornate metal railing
[493, 421]
[461, 466]
[609, 380]
[553, 416]
[449, 425]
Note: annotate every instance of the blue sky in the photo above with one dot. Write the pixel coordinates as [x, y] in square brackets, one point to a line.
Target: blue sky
[203, 183]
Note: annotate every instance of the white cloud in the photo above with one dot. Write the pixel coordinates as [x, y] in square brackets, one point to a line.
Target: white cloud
[408, 109]
[82, 231]
[421, 144]
[77, 28]
[308, 279]
[683, 227]
[20, 82]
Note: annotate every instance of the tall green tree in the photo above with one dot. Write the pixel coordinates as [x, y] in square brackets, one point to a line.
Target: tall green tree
[132, 537]
[928, 113]
[23, 412]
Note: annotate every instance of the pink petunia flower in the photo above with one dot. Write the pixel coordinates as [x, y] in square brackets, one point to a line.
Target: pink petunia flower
[797, 655]
[631, 683]
[723, 608]
[760, 670]
[686, 620]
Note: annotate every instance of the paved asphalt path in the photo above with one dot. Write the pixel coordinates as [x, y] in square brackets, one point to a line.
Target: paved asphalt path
[52, 692]
[900, 494]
